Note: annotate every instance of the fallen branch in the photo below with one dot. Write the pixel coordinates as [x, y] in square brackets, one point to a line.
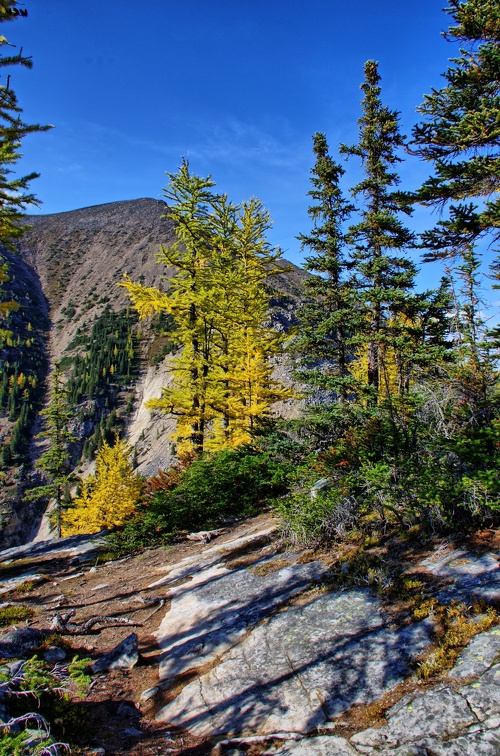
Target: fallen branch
[50, 749]
[150, 601]
[256, 739]
[156, 609]
[205, 536]
[61, 623]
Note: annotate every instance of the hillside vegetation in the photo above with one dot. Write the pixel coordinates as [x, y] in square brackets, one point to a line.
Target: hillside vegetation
[399, 426]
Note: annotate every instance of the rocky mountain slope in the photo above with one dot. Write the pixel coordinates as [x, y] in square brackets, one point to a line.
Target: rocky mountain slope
[80, 256]
[74, 261]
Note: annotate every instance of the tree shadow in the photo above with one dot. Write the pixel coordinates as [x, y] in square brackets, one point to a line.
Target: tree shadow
[293, 674]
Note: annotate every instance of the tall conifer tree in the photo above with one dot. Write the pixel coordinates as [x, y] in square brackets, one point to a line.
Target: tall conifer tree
[222, 377]
[384, 276]
[460, 133]
[55, 462]
[14, 192]
[460, 138]
[329, 316]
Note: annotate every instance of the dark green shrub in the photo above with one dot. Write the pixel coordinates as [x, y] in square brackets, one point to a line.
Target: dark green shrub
[231, 483]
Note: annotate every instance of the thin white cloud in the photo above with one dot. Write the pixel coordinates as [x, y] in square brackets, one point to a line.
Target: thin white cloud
[238, 143]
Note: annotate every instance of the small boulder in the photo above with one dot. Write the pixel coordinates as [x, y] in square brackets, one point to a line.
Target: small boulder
[123, 656]
[20, 642]
[54, 654]
[150, 693]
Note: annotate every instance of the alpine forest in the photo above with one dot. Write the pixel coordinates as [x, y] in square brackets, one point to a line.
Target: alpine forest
[166, 369]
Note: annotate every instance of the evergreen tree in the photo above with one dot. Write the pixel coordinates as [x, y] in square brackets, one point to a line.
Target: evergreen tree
[5, 307]
[190, 210]
[55, 462]
[460, 137]
[14, 193]
[243, 387]
[329, 316]
[460, 133]
[383, 277]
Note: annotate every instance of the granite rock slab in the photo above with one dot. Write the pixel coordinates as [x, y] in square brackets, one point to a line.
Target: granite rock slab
[483, 696]
[470, 576]
[301, 667]
[480, 743]
[437, 714]
[193, 564]
[76, 545]
[322, 745]
[479, 655]
[444, 721]
[214, 610]
[10, 584]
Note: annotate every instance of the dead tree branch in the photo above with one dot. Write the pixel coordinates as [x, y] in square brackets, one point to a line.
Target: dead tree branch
[61, 623]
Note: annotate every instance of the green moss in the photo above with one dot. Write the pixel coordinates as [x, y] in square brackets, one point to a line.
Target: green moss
[11, 614]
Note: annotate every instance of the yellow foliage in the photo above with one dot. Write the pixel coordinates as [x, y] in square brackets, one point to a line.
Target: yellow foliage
[109, 496]
[396, 347]
[217, 296]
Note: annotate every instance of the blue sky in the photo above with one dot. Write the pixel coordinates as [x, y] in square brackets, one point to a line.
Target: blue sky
[236, 86]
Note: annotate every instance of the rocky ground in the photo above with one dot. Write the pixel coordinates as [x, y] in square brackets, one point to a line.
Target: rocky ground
[246, 647]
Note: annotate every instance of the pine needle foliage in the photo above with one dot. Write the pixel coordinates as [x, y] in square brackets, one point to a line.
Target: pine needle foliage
[14, 192]
[409, 430]
[328, 316]
[459, 135]
[382, 275]
[56, 461]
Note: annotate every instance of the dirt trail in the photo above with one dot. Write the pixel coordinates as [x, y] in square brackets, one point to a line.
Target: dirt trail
[115, 716]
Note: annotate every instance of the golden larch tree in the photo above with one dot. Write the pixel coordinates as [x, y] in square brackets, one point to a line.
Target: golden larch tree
[108, 496]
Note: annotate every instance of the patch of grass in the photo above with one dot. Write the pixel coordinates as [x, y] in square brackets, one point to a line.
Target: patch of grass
[359, 569]
[11, 614]
[459, 625]
[273, 565]
[15, 563]
[55, 639]
[25, 587]
[108, 556]
[423, 607]
[416, 594]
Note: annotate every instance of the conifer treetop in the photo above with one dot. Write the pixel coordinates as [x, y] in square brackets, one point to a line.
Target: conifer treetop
[460, 133]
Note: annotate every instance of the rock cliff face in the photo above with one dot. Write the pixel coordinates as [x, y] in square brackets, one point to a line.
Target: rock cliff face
[74, 261]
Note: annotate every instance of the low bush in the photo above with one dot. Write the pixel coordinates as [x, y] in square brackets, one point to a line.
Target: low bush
[33, 685]
[231, 483]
